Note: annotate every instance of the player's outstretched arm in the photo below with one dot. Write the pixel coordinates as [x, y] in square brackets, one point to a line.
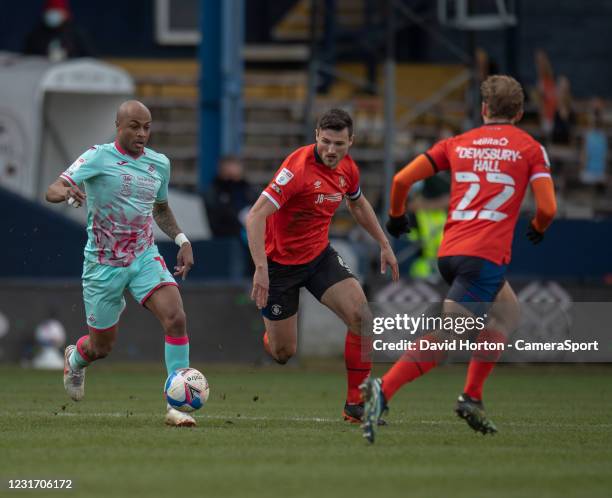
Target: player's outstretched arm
[256, 233]
[61, 191]
[164, 217]
[546, 208]
[417, 170]
[362, 211]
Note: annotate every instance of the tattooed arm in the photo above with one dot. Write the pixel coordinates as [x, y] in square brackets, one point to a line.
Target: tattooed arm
[164, 217]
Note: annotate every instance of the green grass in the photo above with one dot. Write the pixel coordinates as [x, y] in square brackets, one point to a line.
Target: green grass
[277, 432]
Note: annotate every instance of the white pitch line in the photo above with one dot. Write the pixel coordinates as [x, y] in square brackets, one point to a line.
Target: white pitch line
[322, 420]
[128, 414]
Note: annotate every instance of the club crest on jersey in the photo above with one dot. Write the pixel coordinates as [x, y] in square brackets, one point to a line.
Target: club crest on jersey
[151, 168]
[276, 309]
[284, 177]
[121, 163]
[317, 184]
[342, 181]
[276, 188]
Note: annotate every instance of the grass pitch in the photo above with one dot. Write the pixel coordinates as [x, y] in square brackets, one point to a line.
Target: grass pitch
[277, 432]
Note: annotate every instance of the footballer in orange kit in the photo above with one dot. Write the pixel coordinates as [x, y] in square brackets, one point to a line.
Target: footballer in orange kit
[491, 168]
[288, 232]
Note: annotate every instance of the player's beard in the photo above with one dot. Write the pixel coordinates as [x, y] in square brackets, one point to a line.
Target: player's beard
[331, 162]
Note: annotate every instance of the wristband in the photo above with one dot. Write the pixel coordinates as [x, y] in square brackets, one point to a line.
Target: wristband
[180, 239]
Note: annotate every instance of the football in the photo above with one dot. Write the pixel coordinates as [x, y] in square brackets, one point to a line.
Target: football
[186, 389]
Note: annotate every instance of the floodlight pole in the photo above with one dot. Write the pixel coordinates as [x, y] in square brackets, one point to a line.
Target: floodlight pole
[313, 74]
[389, 107]
[220, 99]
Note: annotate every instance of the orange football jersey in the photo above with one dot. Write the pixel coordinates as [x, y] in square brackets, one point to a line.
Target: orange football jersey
[307, 194]
[490, 168]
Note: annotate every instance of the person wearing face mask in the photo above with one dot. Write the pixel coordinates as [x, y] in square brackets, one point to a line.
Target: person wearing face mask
[56, 35]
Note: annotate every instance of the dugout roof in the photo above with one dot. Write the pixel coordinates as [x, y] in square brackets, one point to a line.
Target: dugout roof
[52, 112]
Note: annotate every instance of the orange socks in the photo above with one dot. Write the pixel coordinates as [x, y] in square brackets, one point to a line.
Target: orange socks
[409, 367]
[266, 343]
[357, 350]
[482, 363]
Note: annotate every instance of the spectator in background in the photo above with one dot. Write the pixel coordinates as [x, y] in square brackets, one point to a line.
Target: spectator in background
[428, 210]
[56, 36]
[482, 67]
[229, 199]
[546, 92]
[595, 149]
[485, 66]
[565, 117]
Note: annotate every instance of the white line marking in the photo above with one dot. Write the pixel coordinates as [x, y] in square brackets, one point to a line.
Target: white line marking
[323, 420]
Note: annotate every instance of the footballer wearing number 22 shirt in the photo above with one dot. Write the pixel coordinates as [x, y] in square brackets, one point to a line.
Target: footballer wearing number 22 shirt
[491, 168]
[288, 237]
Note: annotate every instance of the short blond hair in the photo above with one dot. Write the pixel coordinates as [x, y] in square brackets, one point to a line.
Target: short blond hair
[503, 95]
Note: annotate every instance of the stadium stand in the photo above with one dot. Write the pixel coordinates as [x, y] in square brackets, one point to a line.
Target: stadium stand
[273, 125]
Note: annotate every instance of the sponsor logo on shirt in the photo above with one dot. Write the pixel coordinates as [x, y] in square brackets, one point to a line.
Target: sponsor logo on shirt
[121, 163]
[145, 194]
[321, 198]
[126, 185]
[146, 187]
[491, 141]
[284, 177]
[146, 180]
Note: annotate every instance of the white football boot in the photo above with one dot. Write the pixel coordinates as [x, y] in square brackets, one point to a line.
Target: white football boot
[179, 419]
[74, 380]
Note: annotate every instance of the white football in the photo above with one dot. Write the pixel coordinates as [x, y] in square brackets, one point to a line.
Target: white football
[186, 389]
